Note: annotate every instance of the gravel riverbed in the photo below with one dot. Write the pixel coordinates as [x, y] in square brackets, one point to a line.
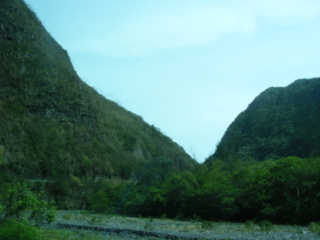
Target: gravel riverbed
[120, 227]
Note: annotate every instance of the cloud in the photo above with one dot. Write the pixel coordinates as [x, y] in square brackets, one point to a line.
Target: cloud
[171, 25]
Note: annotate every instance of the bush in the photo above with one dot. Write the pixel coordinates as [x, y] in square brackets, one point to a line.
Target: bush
[67, 216]
[100, 202]
[314, 227]
[265, 225]
[18, 201]
[148, 225]
[207, 225]
[249, 225]
[14, 230]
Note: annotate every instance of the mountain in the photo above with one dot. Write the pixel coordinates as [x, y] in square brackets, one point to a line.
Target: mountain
[54, 126]
[280, 122]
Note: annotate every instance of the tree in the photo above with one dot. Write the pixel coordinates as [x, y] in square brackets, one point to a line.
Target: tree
[18, 201]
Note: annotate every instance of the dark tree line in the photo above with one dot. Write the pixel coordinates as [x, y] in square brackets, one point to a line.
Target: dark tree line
[282, 191]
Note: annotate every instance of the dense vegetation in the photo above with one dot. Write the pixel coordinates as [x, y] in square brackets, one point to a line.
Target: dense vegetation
[280, 122]
[57, 129]
[59, 136]
[280, 191]
[21, 209]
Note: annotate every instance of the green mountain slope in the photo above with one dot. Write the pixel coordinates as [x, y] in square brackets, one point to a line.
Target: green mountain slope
[280, 122]
[54, 126]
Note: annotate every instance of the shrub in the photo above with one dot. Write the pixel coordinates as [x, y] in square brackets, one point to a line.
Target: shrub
[207, 225]
[163, 216]
[314, 227]
[249, 225]
[148, 225]
[18, 201]
[15, 230]
[265, 225]
[92, 220]
[95, 219]
[67, 216]
[100, 202]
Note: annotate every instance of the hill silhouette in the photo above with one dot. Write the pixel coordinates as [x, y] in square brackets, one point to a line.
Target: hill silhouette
[55, 127]
[280, 122]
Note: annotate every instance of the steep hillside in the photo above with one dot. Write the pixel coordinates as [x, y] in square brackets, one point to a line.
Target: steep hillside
[280, 122]
[54, 126]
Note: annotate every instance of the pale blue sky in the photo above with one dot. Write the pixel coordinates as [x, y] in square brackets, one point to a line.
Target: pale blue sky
[189, 67]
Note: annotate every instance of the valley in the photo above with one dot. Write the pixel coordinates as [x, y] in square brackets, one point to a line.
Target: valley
[65, 147]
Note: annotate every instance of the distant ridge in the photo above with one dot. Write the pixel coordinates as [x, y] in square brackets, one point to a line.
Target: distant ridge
[280, 122]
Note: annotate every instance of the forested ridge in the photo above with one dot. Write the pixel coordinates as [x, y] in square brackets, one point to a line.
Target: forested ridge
[61, 137]
[56, 129]
[280, 122]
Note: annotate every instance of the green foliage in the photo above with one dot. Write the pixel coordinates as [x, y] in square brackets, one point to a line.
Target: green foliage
[169, 198]
[18, 230]
[190, 178]
[249, 225]
[265, 225]
[100, 202]
[195, 218]
[107, 198]
[2, 155]
[55, 127]
[280, 122]
[148, 225]
[94, 220]
[18, 201]
[129, 142]
[281, 191]
[314, 227]
[207, 225]
[74, 143]
[67, 216]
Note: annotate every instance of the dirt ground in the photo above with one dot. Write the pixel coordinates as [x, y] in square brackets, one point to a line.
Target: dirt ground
[121, 227]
